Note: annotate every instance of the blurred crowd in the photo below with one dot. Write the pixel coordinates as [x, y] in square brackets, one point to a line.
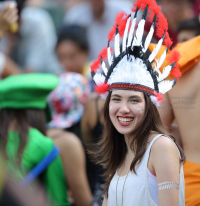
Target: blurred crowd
[48, 107]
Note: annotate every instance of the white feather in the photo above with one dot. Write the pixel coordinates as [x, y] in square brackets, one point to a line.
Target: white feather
[117, 45]
[130, 36]
[109, 56]
[156, 50]
[161, 60]
[105, 70]
[132, 66]
[165, 86]
[99, 78]
[139, 34]
[126, 34]
[164, 73]
[104, 95]
[148, 38]
[154, 100]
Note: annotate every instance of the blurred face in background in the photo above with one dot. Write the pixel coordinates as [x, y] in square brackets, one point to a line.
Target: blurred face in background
[98, 8]
[176, 11]
[185, 35]
[71, 56]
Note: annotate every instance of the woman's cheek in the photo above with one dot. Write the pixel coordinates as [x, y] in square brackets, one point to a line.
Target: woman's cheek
[113, 108]
[138, 110]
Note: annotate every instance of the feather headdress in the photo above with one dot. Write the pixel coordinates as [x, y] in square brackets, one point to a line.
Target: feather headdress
[131, 66]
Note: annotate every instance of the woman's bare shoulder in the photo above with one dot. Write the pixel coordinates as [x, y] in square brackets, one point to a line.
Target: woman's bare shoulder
[164, 148]
[64, 139]
[164, 142]
[69, 139]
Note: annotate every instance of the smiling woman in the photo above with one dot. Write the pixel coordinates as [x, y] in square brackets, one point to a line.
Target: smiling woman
[130, 157]
[143, 166]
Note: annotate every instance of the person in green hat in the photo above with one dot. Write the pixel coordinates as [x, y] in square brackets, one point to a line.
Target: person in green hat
[22, 144]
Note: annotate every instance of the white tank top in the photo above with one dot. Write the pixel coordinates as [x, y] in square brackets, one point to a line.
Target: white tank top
[153, 186]
[136, 190]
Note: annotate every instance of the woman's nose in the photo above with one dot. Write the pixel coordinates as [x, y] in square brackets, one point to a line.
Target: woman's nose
[124, 109]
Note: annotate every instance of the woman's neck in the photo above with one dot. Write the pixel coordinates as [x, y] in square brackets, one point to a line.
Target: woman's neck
[128, 143]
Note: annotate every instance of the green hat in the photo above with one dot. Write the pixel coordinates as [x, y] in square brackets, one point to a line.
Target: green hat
[26, 90]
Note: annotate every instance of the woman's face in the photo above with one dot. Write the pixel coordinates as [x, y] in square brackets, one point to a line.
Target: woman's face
[126, 110]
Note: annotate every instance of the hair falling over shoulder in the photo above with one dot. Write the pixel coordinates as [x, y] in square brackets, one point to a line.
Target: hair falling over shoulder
[111, 150]
[19, 117]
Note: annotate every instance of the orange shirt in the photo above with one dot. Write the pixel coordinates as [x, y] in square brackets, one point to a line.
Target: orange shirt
[189, 51]
[192, 183]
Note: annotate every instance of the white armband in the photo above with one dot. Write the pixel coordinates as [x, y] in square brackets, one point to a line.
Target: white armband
[168, 185]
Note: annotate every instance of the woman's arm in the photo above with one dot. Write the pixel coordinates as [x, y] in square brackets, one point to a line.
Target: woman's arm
[73, 159]
[8, 17]
[85, 127]
[166, 163]
[9, 67]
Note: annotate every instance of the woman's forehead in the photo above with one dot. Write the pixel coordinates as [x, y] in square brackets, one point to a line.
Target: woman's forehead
[127, 93]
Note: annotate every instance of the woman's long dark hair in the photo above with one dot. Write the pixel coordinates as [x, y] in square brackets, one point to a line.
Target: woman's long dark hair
[37, 119]
[111, 149]
[23, 120]
[19, 116]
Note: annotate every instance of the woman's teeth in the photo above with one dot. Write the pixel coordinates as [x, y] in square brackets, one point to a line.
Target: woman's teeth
[125, 120]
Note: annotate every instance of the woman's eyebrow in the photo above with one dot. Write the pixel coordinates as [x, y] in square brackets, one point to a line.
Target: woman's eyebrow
[115, 95]
[134, 96]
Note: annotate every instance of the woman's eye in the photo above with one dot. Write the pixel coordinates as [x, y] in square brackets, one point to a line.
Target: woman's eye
[134, 100]
[115, 99]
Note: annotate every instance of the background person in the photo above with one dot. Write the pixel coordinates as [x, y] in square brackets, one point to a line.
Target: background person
[92, 130]
[32, 47]
[22, 145]
[66, 104]
[97, 17]
[72, 50]
[188, 29]
[8, 17]
[182, 105]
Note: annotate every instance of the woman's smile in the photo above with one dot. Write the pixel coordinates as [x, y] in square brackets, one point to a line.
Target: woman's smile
[125, 120]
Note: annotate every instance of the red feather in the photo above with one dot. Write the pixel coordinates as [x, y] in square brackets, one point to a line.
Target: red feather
[167, 41]
[155, 10]
[134, 7]
[174, 57]
[103, 54]
[141, 4]
[111, 34]
[176, 72]
[102, 88]
[161, 25]
[95, 65]
[121, 22]
[159, 96]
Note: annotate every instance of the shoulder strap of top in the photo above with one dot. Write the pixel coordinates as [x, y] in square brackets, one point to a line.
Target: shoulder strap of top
[154, 139]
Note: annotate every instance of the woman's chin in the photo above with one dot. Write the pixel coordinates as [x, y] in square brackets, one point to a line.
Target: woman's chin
[125, 131]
